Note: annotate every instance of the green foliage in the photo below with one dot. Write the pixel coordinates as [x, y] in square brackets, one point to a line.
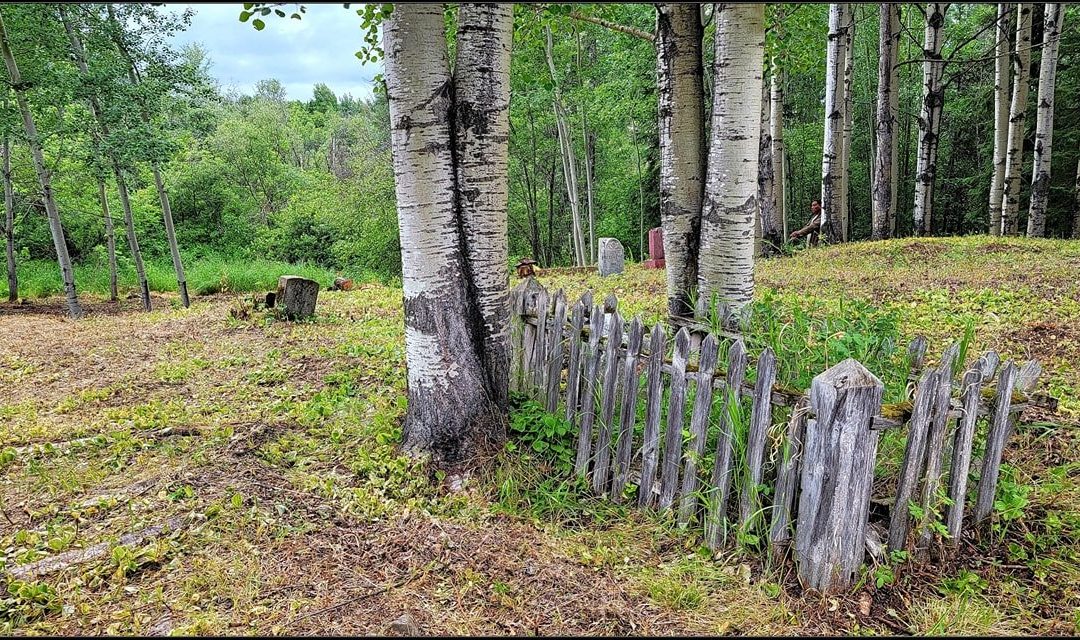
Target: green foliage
[548, 435]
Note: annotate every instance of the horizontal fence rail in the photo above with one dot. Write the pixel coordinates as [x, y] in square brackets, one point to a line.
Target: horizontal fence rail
[678, 421]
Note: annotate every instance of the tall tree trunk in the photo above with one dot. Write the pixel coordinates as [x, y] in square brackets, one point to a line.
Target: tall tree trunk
[1076, 195]
[110, 239]
[449, 153]
[726, 264]
[929, 117]
[767, 232]
[888, 103]
[1044, 127]
[832, 222]
[682, 147]
[1001, 117]
[170, 234]
[849, 109]
[9, 224]
[569, 160]
[1014, 155]
[776, 124]
[121, 185]
[587, 143]
[32, 140]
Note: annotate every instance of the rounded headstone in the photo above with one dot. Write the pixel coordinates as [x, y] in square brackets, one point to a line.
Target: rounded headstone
[612, 257]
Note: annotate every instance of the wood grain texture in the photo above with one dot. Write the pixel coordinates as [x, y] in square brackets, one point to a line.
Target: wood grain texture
[628, 407]
[911, 467]
[602, 468]
[650, 446]
[699, 426]
[971, 387]
[589, 390]
[716, 517]
[760, 420]
[672, 454]
[995, 442]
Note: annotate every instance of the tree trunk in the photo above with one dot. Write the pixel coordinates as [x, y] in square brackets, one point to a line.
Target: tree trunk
[832, 225]
[569, 160]
[1001, 117]
[929, 117]
[1076, 214]
[726, 265]
[1044, 127]
[767, 231]
[32, 140]
[110, 239]
[121, 185]
[776, 123]
[682, 147]
[1014, 155]
[9, 224]
[849, 108]
[170, 233]
[587, 144]
[443, 132]
[888, 102]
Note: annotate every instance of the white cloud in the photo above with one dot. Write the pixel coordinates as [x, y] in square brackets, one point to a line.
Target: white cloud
[300, 53]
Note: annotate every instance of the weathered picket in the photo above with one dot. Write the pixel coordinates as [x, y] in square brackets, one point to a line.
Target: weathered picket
[585, 362]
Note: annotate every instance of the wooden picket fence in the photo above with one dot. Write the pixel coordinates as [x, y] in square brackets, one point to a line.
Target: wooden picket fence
[809, 480]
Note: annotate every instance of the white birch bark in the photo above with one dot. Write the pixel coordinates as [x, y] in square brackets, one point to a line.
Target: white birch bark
[1001, 116]
[56, 228]
[110, 239]
[587, 145]
[170, 235]
[1014, 154]
[482, 135]
[849, 108]
[831, 181]
[569, 161]
[929, 117]
[776, 129]
[888, 102]
[767, 237]
[726, 263]
[682, 147]
[1044, 126]
[451, 411]
[9, 223]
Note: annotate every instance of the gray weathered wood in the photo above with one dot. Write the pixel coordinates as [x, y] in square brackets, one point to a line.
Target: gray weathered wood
[529, 307]
[916, 354]
[837, 476]
[787, 477]
[961, 462]
[602, 468]
[297, 296]
[517, 329]
[628, 407]
[988, 368]
[650, 445]
[716, 518]
[911, 468]
[589, 389]
[995, 442]
[935, 444]
[538, 366]
[699, 427]
[555, 352]
[573, 367]
[760, 419]
[1028, 376]
[669, 473]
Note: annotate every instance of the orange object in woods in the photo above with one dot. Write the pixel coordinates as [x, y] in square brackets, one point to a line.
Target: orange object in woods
[527, 268]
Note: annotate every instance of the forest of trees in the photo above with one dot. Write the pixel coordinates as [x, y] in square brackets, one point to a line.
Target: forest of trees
[312, 181]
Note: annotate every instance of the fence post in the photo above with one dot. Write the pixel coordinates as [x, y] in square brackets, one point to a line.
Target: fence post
[555, 352]
[995, 442]
[589, 387]
[650, 445]
[837, 476]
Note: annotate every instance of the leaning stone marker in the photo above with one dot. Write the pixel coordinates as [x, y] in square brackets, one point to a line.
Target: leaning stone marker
[296, 296]
[611, 256]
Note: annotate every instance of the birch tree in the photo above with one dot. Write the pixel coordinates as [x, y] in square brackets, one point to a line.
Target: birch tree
[767, 233]
[832, 151]
[682, 147]
[94, 104]
[9, 220]
[1001, 116]
[1044, 125]
[569, 161]
[776, 123]
[888, 103]
[1014, 154]
[726, 263]
[449, 141]
[849, 109]
[929, 117]
[56, 228]
[1076, 213]
[110, 238]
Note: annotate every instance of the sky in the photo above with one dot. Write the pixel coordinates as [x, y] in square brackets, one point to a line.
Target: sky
[319, 48]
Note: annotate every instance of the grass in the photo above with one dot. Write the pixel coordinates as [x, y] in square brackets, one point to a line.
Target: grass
[206, 275]
[277, 443]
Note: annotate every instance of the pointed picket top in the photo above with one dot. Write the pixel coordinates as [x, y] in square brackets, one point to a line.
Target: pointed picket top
[1028, 376]
[849, 374]
[989, 364]
[917, 354]
[611, 303]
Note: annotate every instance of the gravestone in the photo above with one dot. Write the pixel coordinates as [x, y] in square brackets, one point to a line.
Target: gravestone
[656, 249]
[611, 257]
[296, 296]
